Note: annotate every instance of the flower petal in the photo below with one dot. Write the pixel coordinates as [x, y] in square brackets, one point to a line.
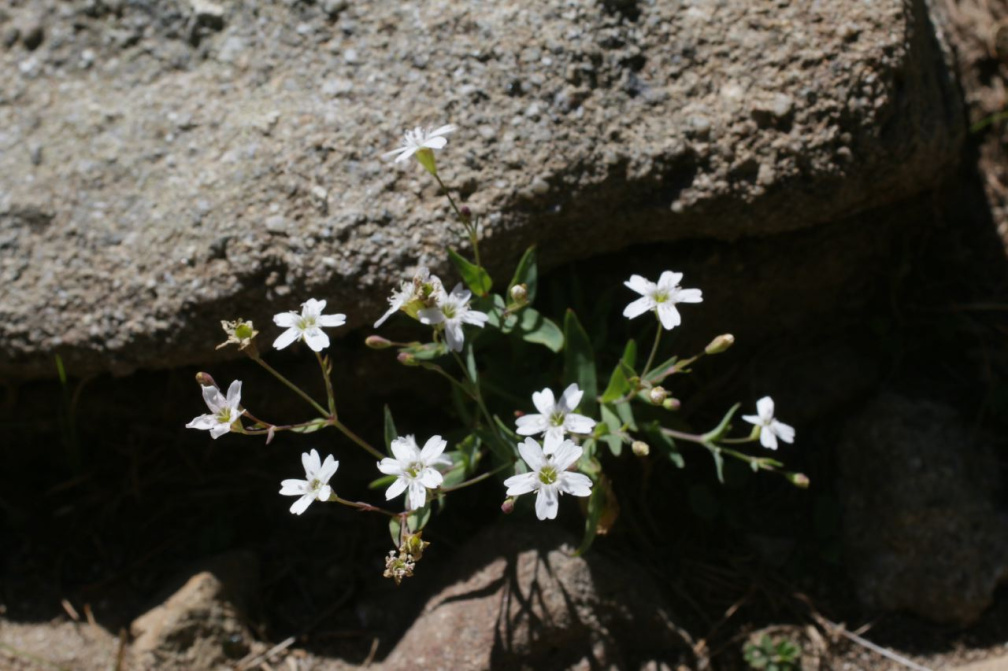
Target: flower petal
[332, 321]
[432, 449]
[234, 394]
[668, 315]
[435, 142]
[430, 478]
[323, 493]
[570, 398]
[689, 296]
[405, 449]
[784, 431]
[565, 454]
[311, 462]
[765, 408]
[286, 319]
[577, 484]
[522, 483]
[544, 401]
[530, 425]
[579, 423]
[417, 495]
[286, 338]
[219, 430]
[552, 441]
[454, 336]
[767, 438]
[443, 130]
[430, 316]
[293, 487]
[395, 489]
[532, 453]
[547, 503]
[203, 423]
[391, 311]
[316, 339]
[312, 308]
[302, 504]
[390, 467]
[639, 284]
[328, 469]
[212, 397]
[752, 419]
[638, 307]
[474, 317]
[669, 280]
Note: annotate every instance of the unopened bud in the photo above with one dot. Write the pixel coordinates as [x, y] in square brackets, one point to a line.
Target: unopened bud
[720, 344]
[466, 212]
[640, 448]
[519, 293]
[205, 379]
[672, 404]
[377, 342]
[798, 480]
[508, 506]
[658, 395]
[407, 359]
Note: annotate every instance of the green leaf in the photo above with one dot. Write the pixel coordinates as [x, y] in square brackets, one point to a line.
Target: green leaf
[418, 519]
[539, 330]
[383, 482]
[394, 529]
[718, 464]
[311, 427]
[718, 432]
[390, 430]
[596, 506]
[475, 277]
[612, 423]
[426, 351]
[655, 436]
[579, 362]
[527, 273]
[662, 370]
[60, 370]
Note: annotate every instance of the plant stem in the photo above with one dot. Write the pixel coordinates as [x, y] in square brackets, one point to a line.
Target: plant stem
[357, 439]
[654, 351]
[470, 229]
[362, 506]
[328, 385]
[293, 387]
[478, 478]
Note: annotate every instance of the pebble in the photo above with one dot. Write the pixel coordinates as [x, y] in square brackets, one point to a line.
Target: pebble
[33, 37]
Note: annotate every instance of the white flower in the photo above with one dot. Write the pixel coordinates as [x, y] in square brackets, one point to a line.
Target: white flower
[770, 428]
[420, 138]
[414, 468]
[556, 417]
[223, 411]
[453, 310]
[549, 476]
[306, 326]
[409, 291]
[661, 297]
[316, 482]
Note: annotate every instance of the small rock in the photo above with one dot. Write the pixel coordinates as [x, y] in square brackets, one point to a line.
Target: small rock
[201, 624]
[333, 8]
[519, 598]
[208, 14]
[33, 36]
[921, 531]
[10, 37]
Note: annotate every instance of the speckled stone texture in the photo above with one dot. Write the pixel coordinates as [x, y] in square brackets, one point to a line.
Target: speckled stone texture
[165, 165]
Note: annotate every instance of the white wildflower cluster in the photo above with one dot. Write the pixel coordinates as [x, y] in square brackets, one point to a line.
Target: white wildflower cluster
[550, 452]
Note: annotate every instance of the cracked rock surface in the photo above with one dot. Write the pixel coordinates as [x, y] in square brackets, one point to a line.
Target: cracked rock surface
[165, 165]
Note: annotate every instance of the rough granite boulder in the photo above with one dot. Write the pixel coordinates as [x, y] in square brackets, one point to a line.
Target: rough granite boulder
[164, 165]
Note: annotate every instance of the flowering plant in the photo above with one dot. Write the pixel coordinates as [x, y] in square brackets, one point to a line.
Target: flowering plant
[559, 448]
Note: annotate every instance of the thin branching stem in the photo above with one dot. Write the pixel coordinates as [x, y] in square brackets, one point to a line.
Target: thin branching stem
[293, 387]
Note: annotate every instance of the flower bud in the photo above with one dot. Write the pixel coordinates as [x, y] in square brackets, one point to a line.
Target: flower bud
[426, 158]
[466, 212]
[519, 293]
[798, 480]
[672, 404]
[407, 359]
[720, 344]
[377, 342]
[205, 379]
[508, 506]
[640, 448]
[658, 395]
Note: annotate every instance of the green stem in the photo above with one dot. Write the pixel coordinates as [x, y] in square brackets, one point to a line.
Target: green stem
[328, 385]
[654, 351]
[470, 229]
[477, 396]
[357, 439]
[293, 387]
[478, 478]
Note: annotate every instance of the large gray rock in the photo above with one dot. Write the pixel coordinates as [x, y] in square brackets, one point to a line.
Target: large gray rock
[921, 529]
[164, 165]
